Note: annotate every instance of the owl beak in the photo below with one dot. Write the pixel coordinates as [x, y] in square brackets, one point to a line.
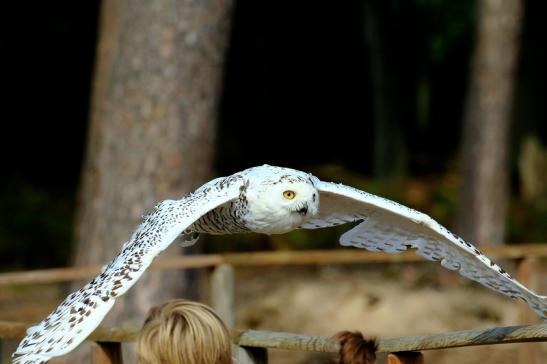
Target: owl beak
[303, 210]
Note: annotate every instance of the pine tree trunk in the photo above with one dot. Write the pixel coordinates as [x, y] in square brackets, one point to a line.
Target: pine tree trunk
[485, 169]
[155, 97]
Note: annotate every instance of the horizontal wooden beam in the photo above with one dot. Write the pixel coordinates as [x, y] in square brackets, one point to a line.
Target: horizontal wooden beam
[70, 274]
[497, 335]
[287, 341]
[254, 259]
[17, 330]
[290, 341]
[490, 336]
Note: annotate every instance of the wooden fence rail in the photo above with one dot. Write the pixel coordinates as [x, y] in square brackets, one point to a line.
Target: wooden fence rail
[290, 341]
[491, 336]
[342, 256]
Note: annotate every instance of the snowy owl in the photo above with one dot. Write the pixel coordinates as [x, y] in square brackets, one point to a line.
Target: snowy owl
[268, 200]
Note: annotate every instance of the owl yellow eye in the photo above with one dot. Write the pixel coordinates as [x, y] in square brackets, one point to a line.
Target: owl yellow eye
[289, 195]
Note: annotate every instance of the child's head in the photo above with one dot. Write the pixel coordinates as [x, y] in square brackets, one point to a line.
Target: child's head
[355, 349]
[181, 331]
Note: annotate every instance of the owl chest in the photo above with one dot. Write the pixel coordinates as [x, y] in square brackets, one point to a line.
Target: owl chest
[225, 219]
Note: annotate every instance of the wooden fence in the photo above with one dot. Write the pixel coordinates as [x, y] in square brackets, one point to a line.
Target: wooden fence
[342, 256]
[252, 345]
[109, 340]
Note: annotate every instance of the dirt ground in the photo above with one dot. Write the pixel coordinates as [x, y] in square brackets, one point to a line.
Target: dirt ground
[379, 301]
[394, 301]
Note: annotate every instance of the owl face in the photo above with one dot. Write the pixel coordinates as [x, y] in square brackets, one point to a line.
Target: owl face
[283, 203]
[295, 197]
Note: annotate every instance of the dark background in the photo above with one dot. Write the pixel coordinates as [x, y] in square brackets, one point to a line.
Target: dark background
[298, 76]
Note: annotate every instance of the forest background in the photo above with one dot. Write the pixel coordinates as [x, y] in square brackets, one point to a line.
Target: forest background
[112, 106]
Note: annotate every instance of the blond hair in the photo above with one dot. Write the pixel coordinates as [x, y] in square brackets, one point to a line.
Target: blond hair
[183, 332]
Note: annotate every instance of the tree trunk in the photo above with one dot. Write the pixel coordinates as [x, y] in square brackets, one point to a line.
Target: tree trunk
[152, 128]
[485, 169]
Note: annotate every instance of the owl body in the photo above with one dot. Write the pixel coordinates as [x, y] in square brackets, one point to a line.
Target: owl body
[261, 207]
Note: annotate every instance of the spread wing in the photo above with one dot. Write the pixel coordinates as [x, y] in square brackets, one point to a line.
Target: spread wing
[390, 227]
[82, 311]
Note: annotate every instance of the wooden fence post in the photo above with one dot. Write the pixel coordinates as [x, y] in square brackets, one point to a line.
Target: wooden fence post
[405, 357]
[527, 273]
[222, 293]
[250, 355]
[106, 353]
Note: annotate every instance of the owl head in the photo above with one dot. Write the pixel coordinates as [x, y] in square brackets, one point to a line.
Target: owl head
[281, 201]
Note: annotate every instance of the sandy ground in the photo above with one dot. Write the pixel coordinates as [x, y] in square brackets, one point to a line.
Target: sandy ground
[397, 301]
[379, 301]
